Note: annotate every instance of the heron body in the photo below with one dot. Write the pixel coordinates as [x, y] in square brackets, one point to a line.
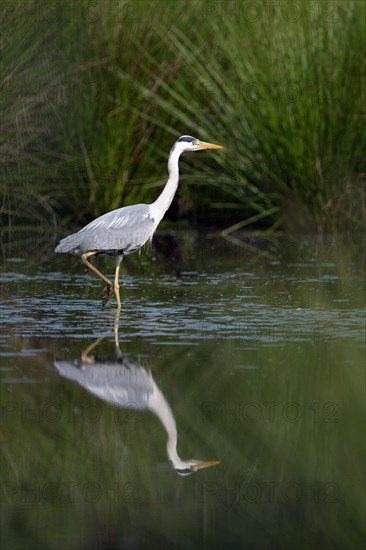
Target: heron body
[116, 233]
[125, 230]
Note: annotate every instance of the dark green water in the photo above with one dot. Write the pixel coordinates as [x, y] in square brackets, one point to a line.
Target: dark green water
[257, 352]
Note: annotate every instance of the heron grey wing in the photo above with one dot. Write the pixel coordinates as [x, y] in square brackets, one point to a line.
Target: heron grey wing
[128, 384]
[72, 243]
[125, 229]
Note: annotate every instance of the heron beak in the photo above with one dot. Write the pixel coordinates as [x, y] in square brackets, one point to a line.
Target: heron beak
[205, 145]
[205, 464]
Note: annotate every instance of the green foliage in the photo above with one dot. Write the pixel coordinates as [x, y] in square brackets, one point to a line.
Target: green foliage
[25, 113]
[282, 89]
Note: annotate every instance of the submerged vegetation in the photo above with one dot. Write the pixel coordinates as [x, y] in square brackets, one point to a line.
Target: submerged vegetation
[94, 96]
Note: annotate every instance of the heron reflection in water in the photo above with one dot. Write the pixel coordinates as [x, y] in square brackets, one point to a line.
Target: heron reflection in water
[123, 382]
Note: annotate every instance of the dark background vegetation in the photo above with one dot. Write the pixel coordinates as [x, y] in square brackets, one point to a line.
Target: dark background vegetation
[94, 94]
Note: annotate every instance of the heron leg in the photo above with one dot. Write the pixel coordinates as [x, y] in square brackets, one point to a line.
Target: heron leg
[116, 281]
[116, 336]
[85, 358]
[108, 289]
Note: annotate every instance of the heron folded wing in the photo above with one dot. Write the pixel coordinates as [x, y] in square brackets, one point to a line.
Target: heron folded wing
[70, 244]
[125, 229]
[122, 231]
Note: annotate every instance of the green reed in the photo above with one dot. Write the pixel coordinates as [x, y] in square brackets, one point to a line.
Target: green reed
[282, 89]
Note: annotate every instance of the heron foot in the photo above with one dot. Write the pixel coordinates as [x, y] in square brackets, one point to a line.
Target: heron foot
[107, 293]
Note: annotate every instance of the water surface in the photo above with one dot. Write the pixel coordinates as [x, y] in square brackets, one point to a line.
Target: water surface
[257, 351]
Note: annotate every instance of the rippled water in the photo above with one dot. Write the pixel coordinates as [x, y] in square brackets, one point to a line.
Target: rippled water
[255, 353]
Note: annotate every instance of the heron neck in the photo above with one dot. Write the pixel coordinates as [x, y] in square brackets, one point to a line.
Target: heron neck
[162, 203]
[161, 408]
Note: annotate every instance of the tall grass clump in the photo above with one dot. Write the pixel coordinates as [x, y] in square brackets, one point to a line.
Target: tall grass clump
[54, 126]
[287, 99]
[25, 115]
[281, 87]
[39, 61]
[117, 149]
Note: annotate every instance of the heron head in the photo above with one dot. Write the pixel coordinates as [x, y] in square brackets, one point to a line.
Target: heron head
[189, 143]
[188, 467]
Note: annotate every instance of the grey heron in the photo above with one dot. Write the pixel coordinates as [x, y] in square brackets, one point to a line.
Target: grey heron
[125, 383]
[125, 230]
